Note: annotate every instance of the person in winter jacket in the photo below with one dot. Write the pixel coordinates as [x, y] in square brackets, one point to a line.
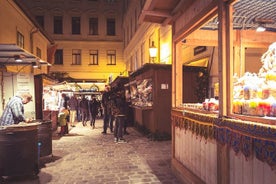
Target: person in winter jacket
[62, 120]
[119, 110]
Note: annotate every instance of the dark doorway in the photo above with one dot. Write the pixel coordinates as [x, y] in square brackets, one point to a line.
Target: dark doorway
[195, 84]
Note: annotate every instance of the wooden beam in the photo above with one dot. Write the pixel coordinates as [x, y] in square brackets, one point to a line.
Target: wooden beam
[156, 13]
[197, 21]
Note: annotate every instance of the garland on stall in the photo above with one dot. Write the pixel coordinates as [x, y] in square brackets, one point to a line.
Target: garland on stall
[201, 125]
[242, 136]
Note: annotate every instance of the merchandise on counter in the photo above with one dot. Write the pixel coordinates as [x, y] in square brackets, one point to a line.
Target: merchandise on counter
[255, 94]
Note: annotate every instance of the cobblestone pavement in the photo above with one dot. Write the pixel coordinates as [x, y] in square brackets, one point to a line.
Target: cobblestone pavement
[87, 156]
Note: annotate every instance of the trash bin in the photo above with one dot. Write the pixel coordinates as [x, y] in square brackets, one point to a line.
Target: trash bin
[45, 138]
[19, 150]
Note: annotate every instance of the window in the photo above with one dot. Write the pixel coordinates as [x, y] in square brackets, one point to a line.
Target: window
[76, 25]
[94, 57]
[58, 25]
[111, 57]
[59, 57]
[38, 52]
[40, 20]
[76, 57]
[20, 40]
[93, 26]
[110, 26]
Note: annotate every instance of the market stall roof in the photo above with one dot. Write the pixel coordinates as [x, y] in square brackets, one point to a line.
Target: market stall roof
[119, 82]
[62, 86]
[149, 66]
[248, 14]
[77, 87]
[12, 54]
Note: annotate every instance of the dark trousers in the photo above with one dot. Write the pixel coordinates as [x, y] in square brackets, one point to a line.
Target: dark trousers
[108, 121]
[93, 119]
[119, 126]
[85, 116]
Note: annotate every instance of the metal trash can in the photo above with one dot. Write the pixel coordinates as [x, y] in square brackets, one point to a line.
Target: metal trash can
[45, 138]
[19, 150]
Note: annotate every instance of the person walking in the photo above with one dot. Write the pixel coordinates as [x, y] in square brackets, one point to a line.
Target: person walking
[79, 117]
[63, 102]
[94, 110]
[73, 107]
[84, 110]
[108, 117]
[14, 110]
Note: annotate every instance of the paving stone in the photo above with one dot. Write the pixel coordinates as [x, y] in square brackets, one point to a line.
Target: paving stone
[87, 156]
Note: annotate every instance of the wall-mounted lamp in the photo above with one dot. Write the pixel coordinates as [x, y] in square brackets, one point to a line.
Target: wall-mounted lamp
[261, 23]
[152, 52]
[34, 64]
[260, 28]
[18, 57]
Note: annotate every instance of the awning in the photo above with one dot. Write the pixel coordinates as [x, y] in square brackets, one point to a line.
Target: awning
[77, 87]
[12, 54]
[62, 86]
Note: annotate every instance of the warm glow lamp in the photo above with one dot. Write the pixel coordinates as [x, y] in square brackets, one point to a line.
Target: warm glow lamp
[260, 28]
[153, 52]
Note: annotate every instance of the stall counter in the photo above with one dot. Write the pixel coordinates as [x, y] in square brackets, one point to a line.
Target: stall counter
[248, 137]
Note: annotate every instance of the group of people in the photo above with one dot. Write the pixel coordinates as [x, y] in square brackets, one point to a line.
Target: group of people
[89, 110]
[72, 110]
[114, 105]
[115, 108]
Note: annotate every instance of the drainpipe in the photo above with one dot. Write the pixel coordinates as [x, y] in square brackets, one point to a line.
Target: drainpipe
[33, 31]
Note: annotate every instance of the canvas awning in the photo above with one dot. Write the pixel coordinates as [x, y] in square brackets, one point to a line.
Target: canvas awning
[12, 54]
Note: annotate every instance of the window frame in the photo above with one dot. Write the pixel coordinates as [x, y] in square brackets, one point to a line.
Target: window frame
[111, 57]
[111, 26]
[93, 26]
[38, 52]
[93, 57]
[76, 25]
[20, 39]
[76, 57]
[58, 57]
[58, 25]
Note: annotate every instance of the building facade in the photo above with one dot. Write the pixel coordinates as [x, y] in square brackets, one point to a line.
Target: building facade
[140, 36]
[23, 53]
[88, 37]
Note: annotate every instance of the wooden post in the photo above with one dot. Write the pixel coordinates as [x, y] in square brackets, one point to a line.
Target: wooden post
[225, 55]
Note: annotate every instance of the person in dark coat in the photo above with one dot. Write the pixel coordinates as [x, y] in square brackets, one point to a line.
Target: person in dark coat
[94, 110]
[84, 110]
[119, 110]
[73, 107]
[106, 103]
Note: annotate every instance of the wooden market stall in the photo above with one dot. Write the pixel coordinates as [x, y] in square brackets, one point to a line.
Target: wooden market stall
[150, 89]
[228, 137]
[43, 112]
